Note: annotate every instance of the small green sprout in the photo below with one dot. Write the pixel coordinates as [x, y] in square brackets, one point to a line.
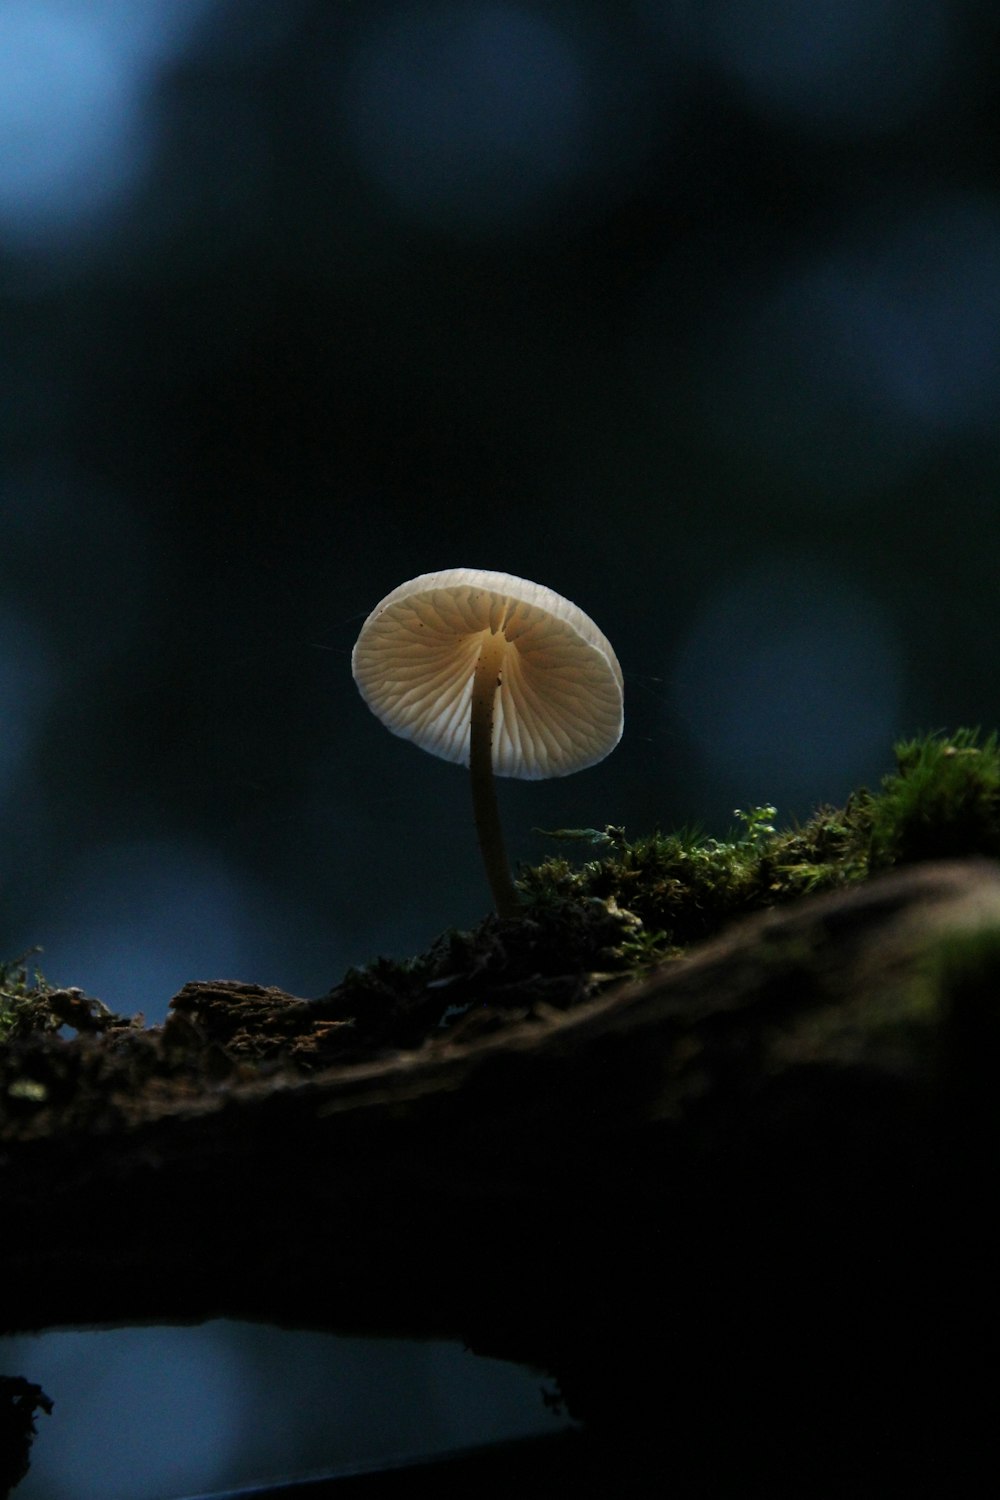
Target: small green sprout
[757, 824]
[20, 991]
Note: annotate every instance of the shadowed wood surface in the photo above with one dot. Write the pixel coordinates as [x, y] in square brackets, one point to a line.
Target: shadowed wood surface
[739, 1203]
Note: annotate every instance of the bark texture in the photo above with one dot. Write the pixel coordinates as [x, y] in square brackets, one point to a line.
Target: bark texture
[741, 1212]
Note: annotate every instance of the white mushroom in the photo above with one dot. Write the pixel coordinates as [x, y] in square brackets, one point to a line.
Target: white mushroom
[498, 674]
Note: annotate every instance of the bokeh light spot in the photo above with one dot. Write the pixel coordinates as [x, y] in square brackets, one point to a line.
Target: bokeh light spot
[145, 1413]
[789, 681]
[468, 117]
[175, 1400]
[845, 67]
[72, 125]
[140, 919]
[915, 316]
[843, 377]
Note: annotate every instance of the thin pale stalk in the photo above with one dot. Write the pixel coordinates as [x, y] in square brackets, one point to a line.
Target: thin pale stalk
[484, 798]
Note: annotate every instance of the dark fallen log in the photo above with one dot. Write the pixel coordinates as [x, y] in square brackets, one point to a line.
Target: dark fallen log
[741, 1212]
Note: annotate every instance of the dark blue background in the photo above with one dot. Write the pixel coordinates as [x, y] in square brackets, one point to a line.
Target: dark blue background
[690, 311]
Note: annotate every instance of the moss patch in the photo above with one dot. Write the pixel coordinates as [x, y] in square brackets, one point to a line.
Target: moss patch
[585, 924]
[943, 801]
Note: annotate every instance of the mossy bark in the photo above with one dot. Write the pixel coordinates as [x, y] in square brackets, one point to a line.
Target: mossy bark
[740, 1211]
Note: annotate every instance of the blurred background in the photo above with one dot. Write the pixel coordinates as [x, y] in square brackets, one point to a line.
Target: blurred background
[689, 311]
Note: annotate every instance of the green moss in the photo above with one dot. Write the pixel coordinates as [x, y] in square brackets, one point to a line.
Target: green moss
[682, 887]
[22, 997]
[634, 904]
[943, 801]
[30, 1006]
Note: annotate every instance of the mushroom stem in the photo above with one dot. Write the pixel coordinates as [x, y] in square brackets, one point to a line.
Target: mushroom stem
[484, 796]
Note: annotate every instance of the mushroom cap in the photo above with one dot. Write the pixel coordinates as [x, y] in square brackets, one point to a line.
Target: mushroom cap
[559, 706]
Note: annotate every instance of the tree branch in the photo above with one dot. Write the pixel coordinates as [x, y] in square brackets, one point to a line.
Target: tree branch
[750, 1190]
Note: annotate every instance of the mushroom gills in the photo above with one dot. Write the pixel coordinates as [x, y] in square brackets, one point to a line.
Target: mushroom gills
[497, 673]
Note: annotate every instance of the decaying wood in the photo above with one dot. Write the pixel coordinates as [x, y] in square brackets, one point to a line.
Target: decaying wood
[746, 1200]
